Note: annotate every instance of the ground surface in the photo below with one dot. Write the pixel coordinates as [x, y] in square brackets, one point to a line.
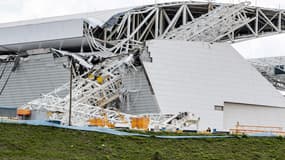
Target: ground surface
[34, 142]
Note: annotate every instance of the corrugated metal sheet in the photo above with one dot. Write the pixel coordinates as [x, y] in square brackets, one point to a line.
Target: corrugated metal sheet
[196, 76]
[42, 74]
[141, 99]
[39, 74]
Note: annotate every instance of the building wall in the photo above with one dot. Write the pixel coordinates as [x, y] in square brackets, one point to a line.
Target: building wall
[39, 74]
[196, 76]
[256, 115]
[8, 112]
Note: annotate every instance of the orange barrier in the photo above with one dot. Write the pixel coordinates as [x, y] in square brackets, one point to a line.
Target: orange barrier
[134, 123]
[100, 122]
[23, 112]
[140, 123]
[96, 122]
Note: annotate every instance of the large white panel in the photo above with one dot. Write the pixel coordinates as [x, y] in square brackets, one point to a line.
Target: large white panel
[196, 76]
[41, 32]
[253, 115]
[102, 16]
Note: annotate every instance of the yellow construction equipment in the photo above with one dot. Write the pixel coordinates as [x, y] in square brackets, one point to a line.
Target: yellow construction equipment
[100, 80]
[91, 76]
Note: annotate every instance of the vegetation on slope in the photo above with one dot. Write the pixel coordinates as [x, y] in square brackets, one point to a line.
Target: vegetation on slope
[36, 142]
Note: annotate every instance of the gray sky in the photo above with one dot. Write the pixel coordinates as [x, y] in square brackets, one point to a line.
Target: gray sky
[15, 10]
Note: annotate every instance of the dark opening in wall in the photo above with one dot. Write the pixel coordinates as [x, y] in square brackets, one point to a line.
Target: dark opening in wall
[219, 108]
[279, 69]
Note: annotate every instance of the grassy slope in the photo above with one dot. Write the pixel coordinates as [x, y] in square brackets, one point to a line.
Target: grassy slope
[34, 142]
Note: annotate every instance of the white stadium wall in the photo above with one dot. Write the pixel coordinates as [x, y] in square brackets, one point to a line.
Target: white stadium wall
[252, 115]
[196, 76]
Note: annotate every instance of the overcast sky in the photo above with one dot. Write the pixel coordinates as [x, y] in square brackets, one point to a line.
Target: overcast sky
[15, 10]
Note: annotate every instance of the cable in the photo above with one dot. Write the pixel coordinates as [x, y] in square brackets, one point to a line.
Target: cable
[6, 82]
[2, 73]
[16, 63]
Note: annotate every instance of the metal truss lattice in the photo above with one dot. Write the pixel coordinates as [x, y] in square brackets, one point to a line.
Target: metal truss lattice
[204, 21]
[212, 26]
[89, 95]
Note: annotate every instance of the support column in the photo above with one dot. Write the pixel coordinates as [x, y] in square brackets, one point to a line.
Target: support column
[256, 21]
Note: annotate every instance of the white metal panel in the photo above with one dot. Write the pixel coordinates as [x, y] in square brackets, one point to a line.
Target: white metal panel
[253, 115]
[195, 76]
[103, 16]
[41, 32]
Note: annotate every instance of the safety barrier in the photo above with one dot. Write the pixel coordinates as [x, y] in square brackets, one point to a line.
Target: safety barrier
[110, 131]
[141, 123]
[23, 112]
[101, 122]
[257, 130]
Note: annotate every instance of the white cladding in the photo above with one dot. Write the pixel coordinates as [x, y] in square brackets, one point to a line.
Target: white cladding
[102, 16]
[41, 32]
[50, 32]
[196, 76]
[253, 115]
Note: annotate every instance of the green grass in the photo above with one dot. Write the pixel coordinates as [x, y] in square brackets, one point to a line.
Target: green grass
[36, 142]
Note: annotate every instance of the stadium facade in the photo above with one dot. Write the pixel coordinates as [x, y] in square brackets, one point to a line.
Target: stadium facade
[159, 59]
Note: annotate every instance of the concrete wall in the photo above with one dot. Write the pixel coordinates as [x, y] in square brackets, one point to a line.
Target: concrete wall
[257, 115]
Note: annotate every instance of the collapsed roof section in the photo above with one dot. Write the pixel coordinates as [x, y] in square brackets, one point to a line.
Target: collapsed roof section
[212, 26]
[101, 53]
[126, 29]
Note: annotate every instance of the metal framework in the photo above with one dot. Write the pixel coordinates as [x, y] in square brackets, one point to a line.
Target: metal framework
[268, 67]
[212, 26]
[89, 94]
[92, 95]
[170, 20]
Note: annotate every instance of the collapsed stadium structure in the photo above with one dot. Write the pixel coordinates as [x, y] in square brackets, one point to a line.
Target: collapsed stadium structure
[168, 65]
